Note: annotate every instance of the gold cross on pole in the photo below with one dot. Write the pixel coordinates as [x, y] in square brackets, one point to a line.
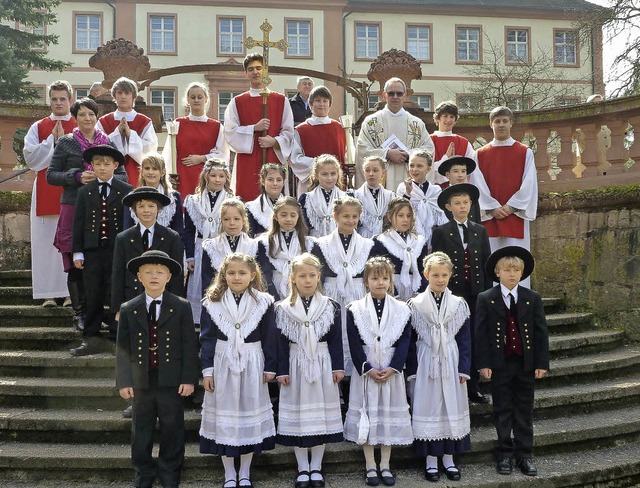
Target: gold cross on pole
[281, 45]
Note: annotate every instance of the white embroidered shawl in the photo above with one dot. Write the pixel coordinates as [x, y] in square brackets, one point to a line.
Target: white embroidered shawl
[408, 253]
[218, 248]
[284, 255]
[372, 210]
[263, 216]
[319, 212]
[205, 218]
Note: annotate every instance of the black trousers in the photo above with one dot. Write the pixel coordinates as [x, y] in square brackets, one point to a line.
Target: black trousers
[512, 391]
[472, 383]
[166, 405]
[97, 288]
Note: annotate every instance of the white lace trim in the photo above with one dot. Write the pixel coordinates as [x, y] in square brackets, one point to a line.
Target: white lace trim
[205, 219]
[263, 217]
[218, 248]
[408, 253]
[319, 212]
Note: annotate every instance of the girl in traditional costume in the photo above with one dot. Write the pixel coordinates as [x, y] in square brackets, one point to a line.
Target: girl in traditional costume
[344, 253]
[310, 366]
[260, 210]
[324, 188]
[233, 237]
[202, 221]
[374, 196]
[439, 364]
[286, 239]
[404, 247]
[238, 354]
[379, 333]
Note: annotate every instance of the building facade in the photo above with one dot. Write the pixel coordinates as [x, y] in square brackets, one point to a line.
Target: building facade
[334, 36]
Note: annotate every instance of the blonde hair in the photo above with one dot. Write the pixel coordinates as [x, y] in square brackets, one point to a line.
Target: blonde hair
[156, 161]
[379, 266]
[239, 206]
[300, 260]
[508, 262]
[435, 259]
[191, 86]
[219, 286]
[395, 205]
[338, 203]
[324, 159]
[274, 230]
[421, 153]
[214, 164]
[383, 162]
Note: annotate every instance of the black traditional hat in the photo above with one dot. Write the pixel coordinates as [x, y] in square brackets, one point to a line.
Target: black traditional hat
[445, 195]
[509, 251]
[155, 257]
[145, 193]
[446, 164]
[103, 150]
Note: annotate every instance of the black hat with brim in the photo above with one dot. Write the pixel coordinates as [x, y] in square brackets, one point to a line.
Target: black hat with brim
[468, 188]
[462, 160]
[510, 251]
[155, 257]
[145, 193]
[103, 150]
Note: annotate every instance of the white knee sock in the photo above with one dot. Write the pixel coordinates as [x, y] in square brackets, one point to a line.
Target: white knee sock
[317, 453]
[369, 459]
[229, 468]
[432, 462]
[245, 468]
[447, 460]
[385, 455]
[302, 457]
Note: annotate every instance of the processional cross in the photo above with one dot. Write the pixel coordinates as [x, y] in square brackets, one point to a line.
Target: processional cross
[281, 45]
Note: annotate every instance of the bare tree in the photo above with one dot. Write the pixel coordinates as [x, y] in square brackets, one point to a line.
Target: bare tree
[526, 85]
[620, 23]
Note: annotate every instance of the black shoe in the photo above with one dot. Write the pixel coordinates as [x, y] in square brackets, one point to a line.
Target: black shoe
[527, 467]
[432, 474]
[478, 398]
[87, 348]
[302, 484]
[387, 477]
[372, 480]
[504, 466]
[453, 473]
[316, 483]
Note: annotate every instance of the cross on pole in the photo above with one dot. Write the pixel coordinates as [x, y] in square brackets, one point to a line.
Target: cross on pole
[281, 45]
[265, 43]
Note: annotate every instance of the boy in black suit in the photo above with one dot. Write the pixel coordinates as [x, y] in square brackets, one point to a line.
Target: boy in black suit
[457, 170]
[147, 202]
[467, 244]
[512, 349]
[156, 365]
[98, 219]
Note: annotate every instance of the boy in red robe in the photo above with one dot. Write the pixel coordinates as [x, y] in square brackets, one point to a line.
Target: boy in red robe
[317, 135]
[510, 172]
[243, 128]
[131, 132]
[447, 143]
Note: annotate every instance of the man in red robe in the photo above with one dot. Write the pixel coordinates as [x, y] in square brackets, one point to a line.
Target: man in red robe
[509, 169]
[317, 135]
[131, 132]
[49, 279]
[243, 128]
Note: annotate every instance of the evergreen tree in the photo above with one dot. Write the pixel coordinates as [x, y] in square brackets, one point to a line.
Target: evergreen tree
[21, 48]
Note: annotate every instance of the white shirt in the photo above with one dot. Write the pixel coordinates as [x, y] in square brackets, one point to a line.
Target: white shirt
[151, 232]
[505, 294]
[158, 305]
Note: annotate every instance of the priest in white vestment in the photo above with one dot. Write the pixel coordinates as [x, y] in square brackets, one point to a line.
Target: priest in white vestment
[377, 131]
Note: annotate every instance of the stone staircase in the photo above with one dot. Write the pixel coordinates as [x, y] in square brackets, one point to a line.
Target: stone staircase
[60, 417]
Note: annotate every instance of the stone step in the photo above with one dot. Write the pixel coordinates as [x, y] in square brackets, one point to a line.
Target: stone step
[584, 342]
[71, 426]
[39, 338]
[83, 393]
[343, 463]
[55, 364]
[562, 323]
[34, 316]
[592, 367]
[59, 364]
[17, 295]
[15, 277]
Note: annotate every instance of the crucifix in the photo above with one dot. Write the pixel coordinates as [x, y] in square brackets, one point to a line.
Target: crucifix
[281, 45]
